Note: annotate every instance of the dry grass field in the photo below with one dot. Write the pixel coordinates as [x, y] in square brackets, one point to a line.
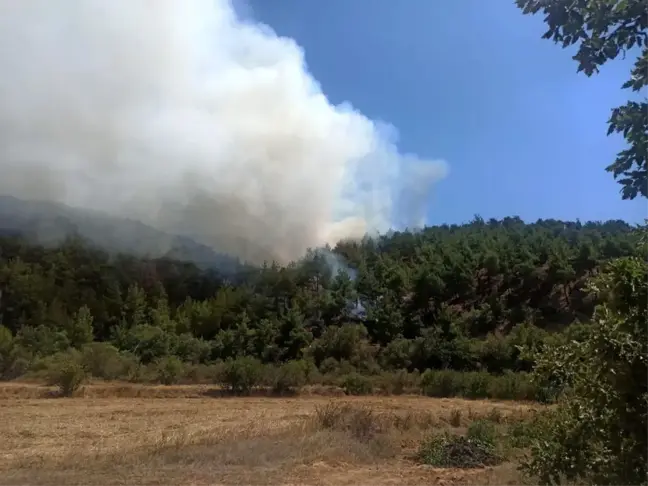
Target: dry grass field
[126, 434]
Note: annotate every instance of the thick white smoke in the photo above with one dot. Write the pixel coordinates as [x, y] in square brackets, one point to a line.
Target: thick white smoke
[176, 113]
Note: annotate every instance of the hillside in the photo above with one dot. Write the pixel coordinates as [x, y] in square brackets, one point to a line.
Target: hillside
[50, 223]
[458, 296]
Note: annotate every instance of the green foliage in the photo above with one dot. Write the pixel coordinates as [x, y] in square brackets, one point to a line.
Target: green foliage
[241, 375]
[462, 298]
[42, 340]
[66, 371]
[79, 331]
[6, 348]
[598, 433]
[290, 377]
[148, 342]
[6, 341]
[191, 349]
[484, 433]
[603, 30]
[477, 449]
[356, 384]
[451, 383]
[103, 360]
[169, 370]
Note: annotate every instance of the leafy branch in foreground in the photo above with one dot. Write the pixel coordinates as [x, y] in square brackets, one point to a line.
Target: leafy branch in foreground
[604, 30]
[598, 433]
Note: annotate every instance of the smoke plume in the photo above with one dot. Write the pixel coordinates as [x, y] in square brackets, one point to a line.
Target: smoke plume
[180, 115]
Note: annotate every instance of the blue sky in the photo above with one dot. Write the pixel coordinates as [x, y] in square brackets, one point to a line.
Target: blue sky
[472, 82]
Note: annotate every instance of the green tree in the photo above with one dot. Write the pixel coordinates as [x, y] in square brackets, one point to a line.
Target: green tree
[79, 330]
[603, 30]
[598, 433]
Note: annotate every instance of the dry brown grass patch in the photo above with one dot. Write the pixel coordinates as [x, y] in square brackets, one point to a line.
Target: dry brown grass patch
[254, 440]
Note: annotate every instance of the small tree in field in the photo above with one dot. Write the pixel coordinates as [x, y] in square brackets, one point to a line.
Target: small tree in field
[66, 371]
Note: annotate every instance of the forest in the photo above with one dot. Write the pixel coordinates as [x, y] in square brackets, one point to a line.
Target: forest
[449, 299]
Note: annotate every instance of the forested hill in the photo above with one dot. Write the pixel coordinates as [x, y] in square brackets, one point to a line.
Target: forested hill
[50, 223]
[435, 298]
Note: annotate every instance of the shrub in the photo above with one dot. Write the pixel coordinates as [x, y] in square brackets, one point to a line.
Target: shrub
[397, 383]
[41, 340]
[450, 383]
[6, 343]
[356, 384]
[133, 370]
[513, 386]
[239, 376]
[79, 329]
[66, 372]
[102, 360]
[201, 373]
[289, 377]
[18, 364]
[14, 360]
[169, 370]
[191, 349]
[448, 450]
[440, 384]
[147, 342]
[484, 433]
[476, 385]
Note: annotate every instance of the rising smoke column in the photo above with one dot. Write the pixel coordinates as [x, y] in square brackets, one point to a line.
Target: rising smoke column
[178, 114]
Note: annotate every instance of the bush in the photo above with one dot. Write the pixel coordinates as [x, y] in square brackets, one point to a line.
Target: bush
[476, 385]
[484, 433]
[289, 377]
[514, 386]
[14, 360]
[41, 340]
[6, 343]
[147, 342]
[191, 349]
[169, 370]
[441, 384]
[201, 373]
[239, 376]
[448, 450]
[450, 383]
[134, 370]
[356, 384]
[102, 360]
[66, 372]
[397, 383]
[18, 365]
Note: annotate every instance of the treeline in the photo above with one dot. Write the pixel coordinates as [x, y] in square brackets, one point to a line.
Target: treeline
[462, 297]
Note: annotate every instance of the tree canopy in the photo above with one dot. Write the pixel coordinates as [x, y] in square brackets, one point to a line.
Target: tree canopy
[459, 296]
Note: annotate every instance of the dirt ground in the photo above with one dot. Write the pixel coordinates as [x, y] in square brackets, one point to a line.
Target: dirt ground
[124, 434]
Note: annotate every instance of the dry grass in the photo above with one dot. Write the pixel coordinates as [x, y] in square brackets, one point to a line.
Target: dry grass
[118, 434]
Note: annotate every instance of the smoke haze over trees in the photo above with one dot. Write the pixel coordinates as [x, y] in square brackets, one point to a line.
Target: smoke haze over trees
[181, 116]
